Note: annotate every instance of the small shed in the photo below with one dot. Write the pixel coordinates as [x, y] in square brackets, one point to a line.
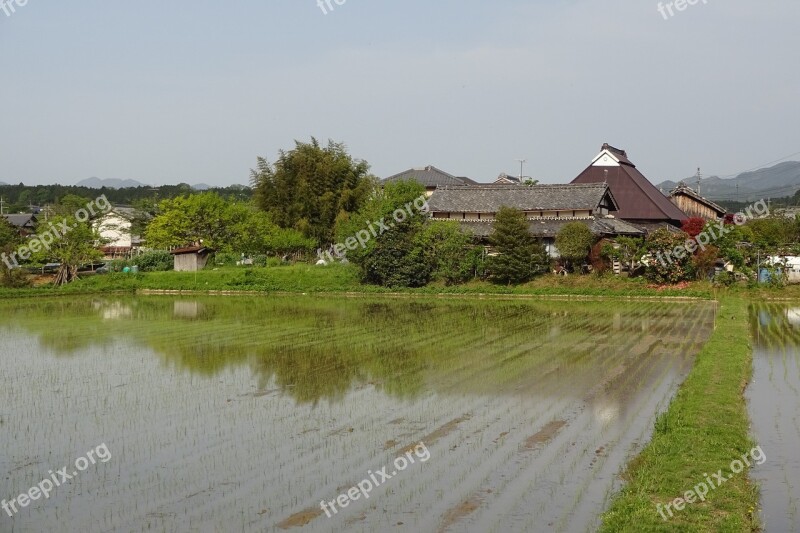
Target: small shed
[191, 258]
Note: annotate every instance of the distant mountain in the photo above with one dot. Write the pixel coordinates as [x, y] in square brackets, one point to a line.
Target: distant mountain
[773, 182]
[97, 183]
[3, 183]
[201, 187]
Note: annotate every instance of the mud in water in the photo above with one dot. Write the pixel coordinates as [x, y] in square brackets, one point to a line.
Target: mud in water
[254, 411]
[774, 404]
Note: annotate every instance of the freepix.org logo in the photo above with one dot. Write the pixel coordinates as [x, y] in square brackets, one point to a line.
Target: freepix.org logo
[9, 7]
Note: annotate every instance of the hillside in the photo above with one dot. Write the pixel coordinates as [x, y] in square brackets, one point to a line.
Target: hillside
[777, 181]
[98, 183]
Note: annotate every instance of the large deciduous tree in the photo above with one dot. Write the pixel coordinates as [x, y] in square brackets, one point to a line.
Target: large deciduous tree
[224, 225]
[311, 186]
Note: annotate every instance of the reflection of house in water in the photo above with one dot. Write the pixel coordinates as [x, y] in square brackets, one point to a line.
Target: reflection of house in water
[113, 310]
[187, 309]
[793, 316]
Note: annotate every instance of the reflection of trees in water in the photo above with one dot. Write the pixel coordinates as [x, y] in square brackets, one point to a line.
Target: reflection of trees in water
[320, 348]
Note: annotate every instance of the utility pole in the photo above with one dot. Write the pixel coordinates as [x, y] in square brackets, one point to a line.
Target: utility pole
[2, 205]
[699, 177]
[521, 162]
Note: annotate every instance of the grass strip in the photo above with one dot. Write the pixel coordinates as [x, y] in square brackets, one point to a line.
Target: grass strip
[705, 428]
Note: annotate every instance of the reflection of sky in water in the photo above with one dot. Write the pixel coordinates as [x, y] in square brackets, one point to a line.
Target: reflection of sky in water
[773, 402]
[238, 414]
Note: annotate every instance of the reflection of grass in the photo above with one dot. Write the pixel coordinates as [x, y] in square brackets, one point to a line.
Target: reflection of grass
[705, 428]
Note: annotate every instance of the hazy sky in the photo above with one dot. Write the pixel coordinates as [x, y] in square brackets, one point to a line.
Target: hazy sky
[174, 91]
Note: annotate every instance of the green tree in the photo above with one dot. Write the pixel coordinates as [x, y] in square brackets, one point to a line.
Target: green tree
[574, 241]
[519, 255]
[770, 233]
[72, 249]
[393, 252]
[10, 240]
[451, 252]
[310, 187]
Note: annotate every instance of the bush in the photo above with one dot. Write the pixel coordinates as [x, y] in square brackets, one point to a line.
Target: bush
[153, 261]
[14, 278]
[665, 266]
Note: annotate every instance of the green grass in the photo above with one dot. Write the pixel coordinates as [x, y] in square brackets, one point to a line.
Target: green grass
[345, 279]
[705, 428]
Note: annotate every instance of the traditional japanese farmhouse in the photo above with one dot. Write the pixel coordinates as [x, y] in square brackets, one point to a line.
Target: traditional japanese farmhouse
[547, 207]
[639, 201]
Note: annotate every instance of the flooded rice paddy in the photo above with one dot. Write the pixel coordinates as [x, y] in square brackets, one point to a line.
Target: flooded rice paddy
[243, 414]
[774, 403]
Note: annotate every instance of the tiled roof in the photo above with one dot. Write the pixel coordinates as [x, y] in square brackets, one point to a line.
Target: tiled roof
[430, 176]
[490, 198]
[21, 220]
[550, 227]
[638, 199]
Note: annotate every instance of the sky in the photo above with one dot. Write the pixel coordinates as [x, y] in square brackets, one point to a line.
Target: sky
[180, 91]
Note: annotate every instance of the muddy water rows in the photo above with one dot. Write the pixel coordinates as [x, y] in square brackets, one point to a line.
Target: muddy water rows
[242, 415]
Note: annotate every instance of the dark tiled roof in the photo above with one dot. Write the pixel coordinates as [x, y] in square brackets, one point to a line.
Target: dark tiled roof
[430, 176]
[688, 191]
[21, 220]
[638, 199]
[490, 198]
[550, 227]
[201, 250]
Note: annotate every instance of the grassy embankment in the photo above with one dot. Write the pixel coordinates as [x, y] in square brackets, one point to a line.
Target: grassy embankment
[345, 279]
[705, 428]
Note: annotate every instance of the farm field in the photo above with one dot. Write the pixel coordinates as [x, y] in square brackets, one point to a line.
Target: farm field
[774, 404]
[243, 414]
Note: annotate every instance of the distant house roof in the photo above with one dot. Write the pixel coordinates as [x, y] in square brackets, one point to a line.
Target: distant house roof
[638, 198]
[25, 220]
[505, 178]
[200, 250]
[549, 228]
[430, 177]
[683, 190]
[490, 198]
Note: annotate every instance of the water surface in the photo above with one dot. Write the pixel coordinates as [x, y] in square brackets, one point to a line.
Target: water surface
[242, 414]
[774, 404]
